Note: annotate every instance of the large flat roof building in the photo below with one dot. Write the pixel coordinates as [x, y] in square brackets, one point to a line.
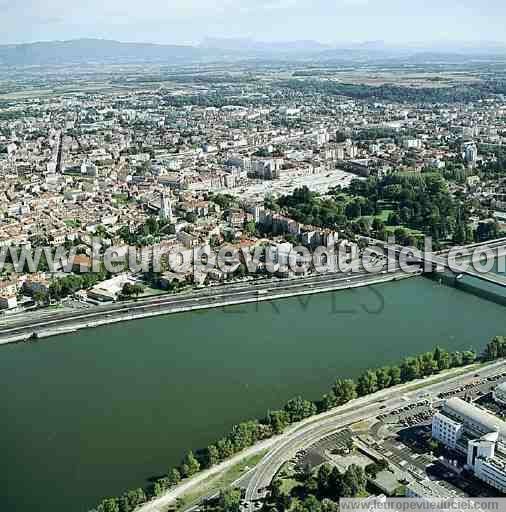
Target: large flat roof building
[499, 394]
[474, 418]
[476, 433]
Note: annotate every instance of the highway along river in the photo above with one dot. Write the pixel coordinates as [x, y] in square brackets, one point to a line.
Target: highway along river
[90, 415]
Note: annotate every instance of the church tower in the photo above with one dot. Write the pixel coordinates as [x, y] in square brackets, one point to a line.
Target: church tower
[166, 208]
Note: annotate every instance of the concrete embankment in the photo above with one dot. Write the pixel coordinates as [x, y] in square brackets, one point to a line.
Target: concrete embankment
[53, 332]
[97, 319]
[4, 340]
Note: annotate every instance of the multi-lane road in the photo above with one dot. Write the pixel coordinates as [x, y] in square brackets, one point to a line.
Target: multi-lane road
[358, 410]
[301, 436]
[201, 299]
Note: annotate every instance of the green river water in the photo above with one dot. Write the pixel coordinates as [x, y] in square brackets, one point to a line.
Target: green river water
[89, 415]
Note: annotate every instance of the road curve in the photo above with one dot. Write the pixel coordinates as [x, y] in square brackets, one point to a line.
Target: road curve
[361, 409]
[311, 430]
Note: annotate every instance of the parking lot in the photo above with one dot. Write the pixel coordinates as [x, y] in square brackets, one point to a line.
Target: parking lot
[475, 389]
[403, 438]
[318, 453]
[409, 415]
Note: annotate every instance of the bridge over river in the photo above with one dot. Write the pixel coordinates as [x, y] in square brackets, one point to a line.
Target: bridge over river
[459, 267]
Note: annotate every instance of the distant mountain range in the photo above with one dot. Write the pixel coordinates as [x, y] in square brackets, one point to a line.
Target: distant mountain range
[259, 46]
[94, 50]
[104, 51]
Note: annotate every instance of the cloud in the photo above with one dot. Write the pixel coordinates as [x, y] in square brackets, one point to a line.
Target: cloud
[192, 20]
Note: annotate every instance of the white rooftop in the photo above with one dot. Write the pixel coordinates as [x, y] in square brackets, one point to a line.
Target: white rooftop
[484, 419]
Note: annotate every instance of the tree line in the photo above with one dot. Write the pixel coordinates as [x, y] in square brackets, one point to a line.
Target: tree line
[317, 493]
[248, 433]
[422, 202]
[392, 93]
[68, 285]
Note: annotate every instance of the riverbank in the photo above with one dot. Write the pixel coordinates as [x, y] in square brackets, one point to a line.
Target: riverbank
[248, 434]
[118, 405]
[71, 323]
[310, 425]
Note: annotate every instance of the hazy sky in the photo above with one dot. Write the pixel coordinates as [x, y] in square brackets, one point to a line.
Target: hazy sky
[189, 21]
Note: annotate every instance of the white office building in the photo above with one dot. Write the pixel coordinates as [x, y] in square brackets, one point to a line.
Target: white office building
[470, 153]
[499, 394]
[476, 433]
[445, 430]
[413, 144]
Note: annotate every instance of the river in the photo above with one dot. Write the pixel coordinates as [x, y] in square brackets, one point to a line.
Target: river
[89, 415]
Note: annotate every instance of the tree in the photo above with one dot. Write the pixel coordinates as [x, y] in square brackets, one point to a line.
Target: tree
[495, 349]
[159, 488]
[335, 484]
[444, 362]
[224, 201]
[378, 225]
[131, 500]
[355, 480]
[363, 226]
[428, 365]
[329, 506]
[40, 297]
[393, 219]
[250, 227]
[278, 420]
[487, 230]
[311, 504]
[374, 468]
[109, 505]
[225, 448]
[298, 409]
[433, 445]
[367, 383]
[174, 477]
[491, 351]
[353, 209]
[275, 489]
[190, 465]
[456, 359]
[323, 479]
[460, 234]
[328, 402]
[468, 357]
[130, 289]
[212, 456]
[442, 358]
[344, 391]
[191, 217]
[383, 377]
[244, 434]
[395, 375]
[410, 369]
[230, 500]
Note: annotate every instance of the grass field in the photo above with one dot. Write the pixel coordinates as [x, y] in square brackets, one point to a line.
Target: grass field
[383, 216]
[213, 485]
